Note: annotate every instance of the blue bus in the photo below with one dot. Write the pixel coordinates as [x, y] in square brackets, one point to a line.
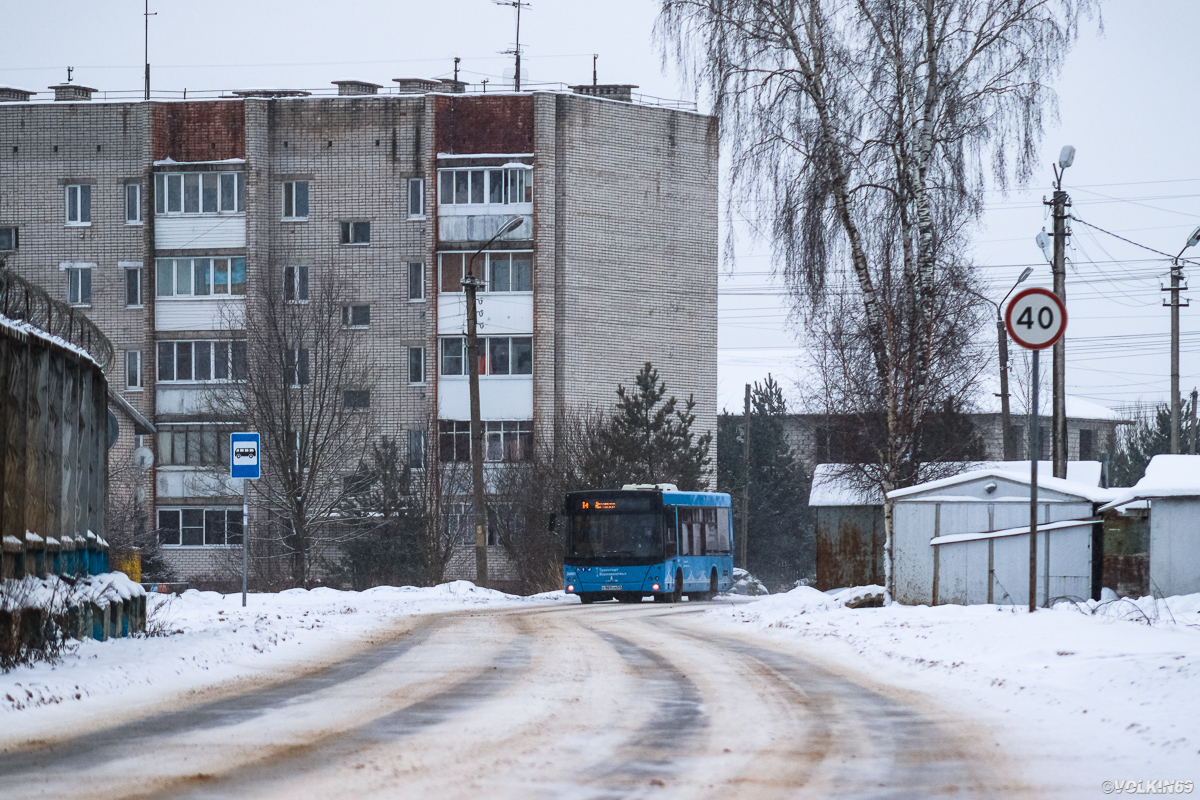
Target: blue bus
[647, 541]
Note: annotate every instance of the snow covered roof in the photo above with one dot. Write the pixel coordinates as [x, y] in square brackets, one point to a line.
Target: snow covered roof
[1045, 481]
[988, 402]
[832, 487]
[1166, 476]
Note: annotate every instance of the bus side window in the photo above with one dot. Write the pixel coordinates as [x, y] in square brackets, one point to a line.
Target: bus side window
[669, 525]
[723, 529]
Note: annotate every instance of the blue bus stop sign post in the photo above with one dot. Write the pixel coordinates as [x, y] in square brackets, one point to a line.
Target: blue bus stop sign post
[244, 463]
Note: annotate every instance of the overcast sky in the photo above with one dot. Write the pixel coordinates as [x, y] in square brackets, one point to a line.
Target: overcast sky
[1127, 103]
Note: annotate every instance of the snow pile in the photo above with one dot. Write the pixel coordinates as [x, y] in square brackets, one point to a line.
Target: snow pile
[200, 640]
[746, 584]
[1122, 674]
[56, 594]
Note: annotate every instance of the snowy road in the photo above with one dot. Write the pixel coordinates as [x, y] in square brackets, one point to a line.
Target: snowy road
[600, 702]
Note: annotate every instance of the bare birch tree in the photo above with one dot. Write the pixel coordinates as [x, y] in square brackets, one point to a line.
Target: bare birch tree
[868, 131]
[305, 387]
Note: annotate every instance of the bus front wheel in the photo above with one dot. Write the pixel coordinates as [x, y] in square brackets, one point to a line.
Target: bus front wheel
[587, 598]
[677, 595]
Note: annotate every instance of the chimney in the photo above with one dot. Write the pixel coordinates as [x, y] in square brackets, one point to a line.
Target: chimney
[609, 91]
[452, 86]
[8, 94]
[270, 94]
[347, 88]
[72, 91]
[417, 85]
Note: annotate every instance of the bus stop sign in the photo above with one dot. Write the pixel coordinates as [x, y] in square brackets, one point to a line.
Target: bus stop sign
[1036, 319]
[244, 455]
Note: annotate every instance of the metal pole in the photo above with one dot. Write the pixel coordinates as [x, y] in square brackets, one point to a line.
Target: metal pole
[517, 72]
[245, 535]
[1033, 482]
[479, 510]
[1059, 428]
[1175, 356]
[746, 481]
[1005, 426]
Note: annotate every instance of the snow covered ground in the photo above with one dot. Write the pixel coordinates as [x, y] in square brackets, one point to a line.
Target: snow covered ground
[1080, 694]
[213, 645]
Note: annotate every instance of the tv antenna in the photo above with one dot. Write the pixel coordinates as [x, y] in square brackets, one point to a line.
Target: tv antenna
[516, 51]
[148, 15]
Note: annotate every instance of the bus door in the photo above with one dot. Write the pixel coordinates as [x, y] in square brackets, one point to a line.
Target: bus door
[670, 531]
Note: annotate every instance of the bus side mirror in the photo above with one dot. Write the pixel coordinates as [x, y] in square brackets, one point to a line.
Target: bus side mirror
[553, 521]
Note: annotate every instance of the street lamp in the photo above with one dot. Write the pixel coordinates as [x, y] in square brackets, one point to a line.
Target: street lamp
[1002, 338]
[470, 285]
[1174, 290]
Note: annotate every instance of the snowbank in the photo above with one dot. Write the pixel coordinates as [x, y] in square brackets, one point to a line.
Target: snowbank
[1115, 683]
[206, 639]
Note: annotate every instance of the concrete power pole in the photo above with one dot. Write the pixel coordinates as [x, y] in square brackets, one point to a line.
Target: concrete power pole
[1175, 412]
[1059, 420]
[746, 480]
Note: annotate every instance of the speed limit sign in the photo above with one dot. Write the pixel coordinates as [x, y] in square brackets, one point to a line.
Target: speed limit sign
[1036, 318]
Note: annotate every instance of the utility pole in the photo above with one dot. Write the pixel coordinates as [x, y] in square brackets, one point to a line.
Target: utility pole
[479, 510]
[746, 479]
[148, 15]
[1059, 421]
[1005, 425]
[1176, 274]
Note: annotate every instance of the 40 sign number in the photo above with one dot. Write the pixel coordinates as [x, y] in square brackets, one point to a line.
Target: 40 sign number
[1036, 319]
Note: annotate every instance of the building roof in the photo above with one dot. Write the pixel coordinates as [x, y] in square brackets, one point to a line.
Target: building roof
[1045, 480]
[1166, 476]
[987, 401]
[832, 487]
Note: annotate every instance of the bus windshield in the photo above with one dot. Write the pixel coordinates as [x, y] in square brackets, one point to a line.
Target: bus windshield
[615, 538]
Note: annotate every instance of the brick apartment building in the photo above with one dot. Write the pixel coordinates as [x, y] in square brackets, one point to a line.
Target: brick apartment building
[159, 219]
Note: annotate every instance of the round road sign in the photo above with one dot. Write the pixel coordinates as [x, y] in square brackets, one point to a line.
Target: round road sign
[1036, 318]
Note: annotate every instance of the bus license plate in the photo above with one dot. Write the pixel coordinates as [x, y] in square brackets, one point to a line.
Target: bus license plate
[610, 588]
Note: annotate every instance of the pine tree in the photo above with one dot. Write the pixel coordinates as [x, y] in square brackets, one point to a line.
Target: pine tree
[649, 439]
[1149, 436]
[780, 537]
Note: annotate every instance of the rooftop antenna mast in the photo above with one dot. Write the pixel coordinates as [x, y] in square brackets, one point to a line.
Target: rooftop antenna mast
[516, 51]
[594, 57]
[456, 60]
[148, 15]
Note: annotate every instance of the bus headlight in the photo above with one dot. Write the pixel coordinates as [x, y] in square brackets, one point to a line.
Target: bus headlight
[655, 587]
[570, 587]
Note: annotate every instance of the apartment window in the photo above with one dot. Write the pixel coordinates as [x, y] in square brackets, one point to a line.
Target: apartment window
[416, 449]
[356, 232]
[1087, 444]
[356, 485]
[133, 287]
[416, 281]
[296, 367]
[356, 399]
[199, 193]
[198, 361]
[416, 198]
[200, 277]
[295, 200]
[416, 365]
[1019, 443]
[454, 440]
[295, 284]
[508, 441]
[454, 356]
[200, 527]
[510, 355]
[1043, 442]
[133, 369]
[510, 271]
[79, 204]
[474, 186]
[133, 204]
[79, 286]
[356, 316]
[193, 445]
[9, 240]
